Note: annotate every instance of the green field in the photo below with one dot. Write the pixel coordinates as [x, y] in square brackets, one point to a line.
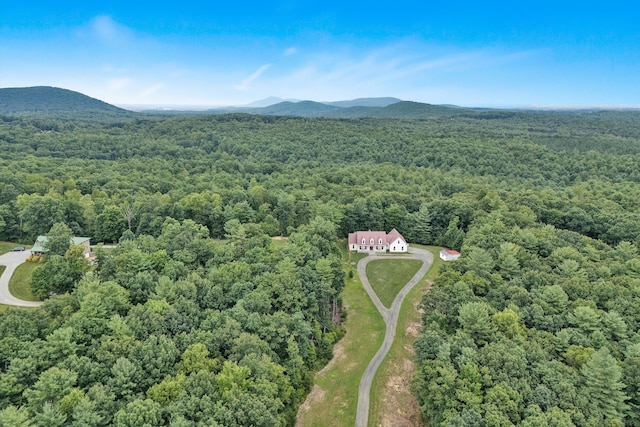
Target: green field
[20, 281]
[334, 400]
[388, 276]
[6, 247]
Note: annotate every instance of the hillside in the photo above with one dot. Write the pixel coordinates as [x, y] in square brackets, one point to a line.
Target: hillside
[46, 99]
[301, 109]
[399, 110]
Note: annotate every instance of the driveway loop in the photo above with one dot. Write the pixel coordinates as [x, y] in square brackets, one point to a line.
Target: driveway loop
[12, 260]
[390, 316]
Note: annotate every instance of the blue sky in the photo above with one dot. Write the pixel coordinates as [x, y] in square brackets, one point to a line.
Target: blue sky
[229, 53]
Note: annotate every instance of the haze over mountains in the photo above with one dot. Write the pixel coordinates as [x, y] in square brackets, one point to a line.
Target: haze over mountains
[288, 107]
[52, 100]
[45, 99]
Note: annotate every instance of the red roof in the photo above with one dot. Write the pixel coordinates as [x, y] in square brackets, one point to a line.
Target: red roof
[393, 235]
[356, 238]
[449, 252]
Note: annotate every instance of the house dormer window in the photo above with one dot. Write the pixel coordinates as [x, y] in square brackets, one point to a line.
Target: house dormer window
[364, 242]
[379, 241]
[372, 241]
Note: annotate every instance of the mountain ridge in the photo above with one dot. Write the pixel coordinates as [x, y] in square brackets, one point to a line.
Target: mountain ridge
[65, 103]
[49, 99]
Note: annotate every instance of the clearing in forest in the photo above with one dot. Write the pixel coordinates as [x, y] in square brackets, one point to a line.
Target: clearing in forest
[388, 276]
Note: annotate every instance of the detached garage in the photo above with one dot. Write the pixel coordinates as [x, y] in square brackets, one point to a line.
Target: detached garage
[449, 255]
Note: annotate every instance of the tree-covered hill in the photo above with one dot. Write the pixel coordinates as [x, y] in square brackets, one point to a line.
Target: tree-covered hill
[52, 100]
[301, 109]
[365, 102]
[371, 108]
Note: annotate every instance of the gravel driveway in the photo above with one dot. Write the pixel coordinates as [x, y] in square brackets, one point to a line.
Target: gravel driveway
[11, 260]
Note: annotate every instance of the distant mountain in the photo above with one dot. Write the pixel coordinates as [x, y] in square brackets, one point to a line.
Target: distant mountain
[46, 99]
[365, 102]
[301, 109]
[67, 103]
[415, 110]
[266, 102]
[397, 110]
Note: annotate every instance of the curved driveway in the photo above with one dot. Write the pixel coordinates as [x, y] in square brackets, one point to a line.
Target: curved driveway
[11, 260]
[390, 316]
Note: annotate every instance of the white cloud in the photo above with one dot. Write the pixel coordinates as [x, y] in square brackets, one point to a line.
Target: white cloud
[246, 82]
[407, 69]
[291, 51]
[105, 29]
[152, 90]
[115, 85]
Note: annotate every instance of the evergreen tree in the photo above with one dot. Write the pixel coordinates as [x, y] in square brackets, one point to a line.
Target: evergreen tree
[603, 386]
[419, 226]
[454, 236]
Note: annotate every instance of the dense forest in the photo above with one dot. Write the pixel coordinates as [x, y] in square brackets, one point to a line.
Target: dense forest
[198, 319]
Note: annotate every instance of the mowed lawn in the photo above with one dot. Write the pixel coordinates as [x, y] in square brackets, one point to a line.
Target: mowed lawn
[391, 398]
[19, 284]
[388, 276]
[334, 398]
[6, 247]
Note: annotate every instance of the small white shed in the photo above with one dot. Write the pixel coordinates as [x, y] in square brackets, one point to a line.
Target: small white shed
[449, 255]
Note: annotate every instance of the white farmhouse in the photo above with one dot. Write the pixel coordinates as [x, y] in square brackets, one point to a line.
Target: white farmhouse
[377, 241]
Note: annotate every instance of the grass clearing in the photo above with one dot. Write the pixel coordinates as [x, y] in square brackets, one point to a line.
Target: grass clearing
[19, 284]
[334, 398]
[388, 276]
[392, 402]
[279, 241]
[7, 246]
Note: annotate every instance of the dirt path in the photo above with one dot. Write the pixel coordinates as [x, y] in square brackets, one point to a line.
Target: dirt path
[12, 260]
[390, 317]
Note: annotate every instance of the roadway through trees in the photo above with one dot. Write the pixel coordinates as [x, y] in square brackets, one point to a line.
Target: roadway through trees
[390, 316]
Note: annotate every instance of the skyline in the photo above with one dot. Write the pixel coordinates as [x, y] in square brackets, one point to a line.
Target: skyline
[493, 55]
